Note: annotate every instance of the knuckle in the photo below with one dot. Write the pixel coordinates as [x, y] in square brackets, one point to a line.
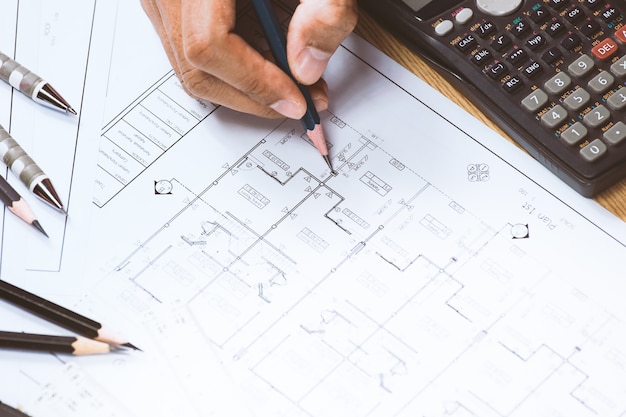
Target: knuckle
[341, 18]
[197, 85]
[200, 49]
[254, 87]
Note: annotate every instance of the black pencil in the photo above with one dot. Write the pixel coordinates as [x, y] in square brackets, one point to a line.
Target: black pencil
[59, 315]
[8, 411]
[277, 43]
[73, 345]
[17, 205]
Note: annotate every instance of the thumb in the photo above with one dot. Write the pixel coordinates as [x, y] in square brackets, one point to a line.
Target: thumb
[315, 31]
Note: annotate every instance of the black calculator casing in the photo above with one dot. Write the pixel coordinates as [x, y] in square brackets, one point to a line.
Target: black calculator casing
[465, 55]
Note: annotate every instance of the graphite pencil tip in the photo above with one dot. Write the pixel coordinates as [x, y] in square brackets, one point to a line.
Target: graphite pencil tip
[327, 160]
[130, 345]
[38, 226]
[319, 141]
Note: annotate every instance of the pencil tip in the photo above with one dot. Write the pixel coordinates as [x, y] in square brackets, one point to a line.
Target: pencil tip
[330, 165]
[130, 345]
[39, 227]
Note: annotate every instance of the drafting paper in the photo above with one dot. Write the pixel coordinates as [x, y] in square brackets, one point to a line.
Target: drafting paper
[441, 272]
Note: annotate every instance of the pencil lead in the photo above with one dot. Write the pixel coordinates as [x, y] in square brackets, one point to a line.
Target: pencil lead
[130, 345]
[116, 348]
[38, 226]
[327, 160]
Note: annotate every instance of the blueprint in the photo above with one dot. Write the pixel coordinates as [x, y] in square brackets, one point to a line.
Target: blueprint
[439, 272]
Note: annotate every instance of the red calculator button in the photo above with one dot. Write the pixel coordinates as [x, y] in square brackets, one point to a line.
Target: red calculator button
[621, 34]
[604, 49]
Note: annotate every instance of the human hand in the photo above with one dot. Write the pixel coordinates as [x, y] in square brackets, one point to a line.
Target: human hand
[215, 64]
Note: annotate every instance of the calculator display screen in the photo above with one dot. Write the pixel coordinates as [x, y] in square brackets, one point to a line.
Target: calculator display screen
[427, 9]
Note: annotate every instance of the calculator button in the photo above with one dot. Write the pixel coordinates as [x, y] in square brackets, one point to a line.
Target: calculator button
[558, 4]
[617, 100]
[496, 70]
[498, 7]
[500, 42]
[517, 56]
[609, 14]
[539, 15]
[574, 134]
[512, 84]
[593, 4]
[581, 66]
[535, 100]
[552, 55]
[593, 150]
[620, 34]
[532, 70]
[577, 100]
[485, 29]
[464, 15]
[604, 49]
[574, 15]
[536, 42]
[481, 56]
[555, 28]
[589, 28]
[601, 82]
[615, 134]
[554, 117]
[618, 68]
[597, 116]
[444, 27]
[520, 28]
[466, 43]
[558, 83]
[571, 42]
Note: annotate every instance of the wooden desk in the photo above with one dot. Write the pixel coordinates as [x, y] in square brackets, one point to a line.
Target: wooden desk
[614, 199]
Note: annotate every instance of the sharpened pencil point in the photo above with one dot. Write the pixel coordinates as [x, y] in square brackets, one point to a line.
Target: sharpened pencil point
[38, 226]
[130, 345]
[327, 160]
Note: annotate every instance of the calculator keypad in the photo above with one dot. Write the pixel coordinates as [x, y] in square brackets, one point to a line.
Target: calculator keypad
[563, 62]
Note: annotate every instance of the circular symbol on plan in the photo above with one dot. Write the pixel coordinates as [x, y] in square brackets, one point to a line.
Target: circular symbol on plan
[478, 172]
[520, 231]
[162, 187]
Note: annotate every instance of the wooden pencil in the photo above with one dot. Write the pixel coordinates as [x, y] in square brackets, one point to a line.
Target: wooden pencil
[59, 315]
[17, 205]
[74, 345]
[8, 411]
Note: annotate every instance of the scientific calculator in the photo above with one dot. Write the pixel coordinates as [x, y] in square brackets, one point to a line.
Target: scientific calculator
[550, 73]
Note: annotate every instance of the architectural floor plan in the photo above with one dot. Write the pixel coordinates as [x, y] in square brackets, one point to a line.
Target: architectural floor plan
[439, 272]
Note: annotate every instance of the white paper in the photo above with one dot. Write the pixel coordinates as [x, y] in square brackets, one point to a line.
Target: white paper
[442, 272]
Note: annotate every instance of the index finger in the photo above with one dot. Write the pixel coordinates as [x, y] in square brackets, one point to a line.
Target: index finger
[211, 45]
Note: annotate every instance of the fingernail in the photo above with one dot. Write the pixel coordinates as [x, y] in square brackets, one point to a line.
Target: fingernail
[288, 109]
[311, 64]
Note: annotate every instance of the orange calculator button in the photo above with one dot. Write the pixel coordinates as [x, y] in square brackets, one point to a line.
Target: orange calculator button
[621, 34]
[604, 49]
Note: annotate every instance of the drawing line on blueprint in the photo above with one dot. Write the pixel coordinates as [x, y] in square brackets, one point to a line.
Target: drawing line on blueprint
[364, 291]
